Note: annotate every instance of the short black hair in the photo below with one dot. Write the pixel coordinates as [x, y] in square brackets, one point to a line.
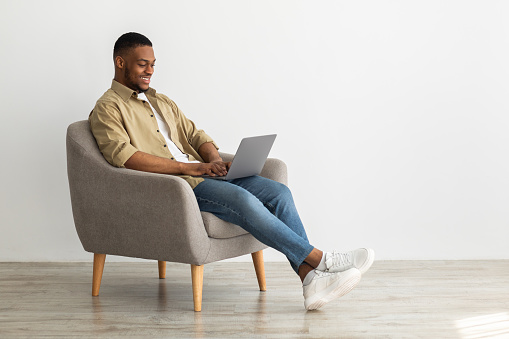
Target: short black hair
[129, 41]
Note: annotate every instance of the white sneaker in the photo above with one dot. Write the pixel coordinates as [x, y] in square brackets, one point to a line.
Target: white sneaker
[362, 259]
[327, 286]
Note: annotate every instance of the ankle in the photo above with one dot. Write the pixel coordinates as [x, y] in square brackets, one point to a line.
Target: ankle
[314, 258]
[309, 278]
[304, 269]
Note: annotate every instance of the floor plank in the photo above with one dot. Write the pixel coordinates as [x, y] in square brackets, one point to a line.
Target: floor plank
[395, 299]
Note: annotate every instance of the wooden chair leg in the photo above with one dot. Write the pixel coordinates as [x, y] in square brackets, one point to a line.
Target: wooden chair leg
[197, 280]
[162, 269]
[99, 260]
[259, 269]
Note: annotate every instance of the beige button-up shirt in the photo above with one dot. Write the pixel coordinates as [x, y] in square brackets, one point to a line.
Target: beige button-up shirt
[123, 125]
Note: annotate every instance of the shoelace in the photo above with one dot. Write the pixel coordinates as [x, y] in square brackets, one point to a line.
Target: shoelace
[340, 259]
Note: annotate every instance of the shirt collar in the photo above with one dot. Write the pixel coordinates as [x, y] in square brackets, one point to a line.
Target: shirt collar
[126, 93]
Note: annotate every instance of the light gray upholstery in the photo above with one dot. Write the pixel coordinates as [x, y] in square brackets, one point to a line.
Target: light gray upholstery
[123, 212]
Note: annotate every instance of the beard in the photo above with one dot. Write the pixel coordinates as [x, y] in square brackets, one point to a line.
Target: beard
[132, 84]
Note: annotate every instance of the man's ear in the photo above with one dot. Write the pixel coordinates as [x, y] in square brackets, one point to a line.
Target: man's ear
[119, 62]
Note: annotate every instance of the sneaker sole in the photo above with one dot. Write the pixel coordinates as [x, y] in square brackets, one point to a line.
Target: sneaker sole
[369, 261]
[339, 289]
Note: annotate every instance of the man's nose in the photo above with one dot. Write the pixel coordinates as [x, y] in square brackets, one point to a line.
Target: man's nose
[149, 70]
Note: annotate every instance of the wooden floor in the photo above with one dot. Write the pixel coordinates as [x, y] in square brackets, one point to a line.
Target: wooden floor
[395, 299]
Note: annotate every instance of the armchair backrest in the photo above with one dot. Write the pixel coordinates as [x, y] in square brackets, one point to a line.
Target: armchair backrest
[84, 163]
[80, 142]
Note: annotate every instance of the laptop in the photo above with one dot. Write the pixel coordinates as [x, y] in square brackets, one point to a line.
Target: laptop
[249, 159]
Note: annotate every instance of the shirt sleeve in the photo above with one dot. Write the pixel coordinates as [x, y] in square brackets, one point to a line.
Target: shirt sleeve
[195, 137]
[108, 129]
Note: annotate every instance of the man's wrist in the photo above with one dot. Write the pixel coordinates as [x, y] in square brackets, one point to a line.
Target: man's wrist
[181, 167]
[209, 152]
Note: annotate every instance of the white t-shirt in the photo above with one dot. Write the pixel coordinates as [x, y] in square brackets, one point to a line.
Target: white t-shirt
[165, 131]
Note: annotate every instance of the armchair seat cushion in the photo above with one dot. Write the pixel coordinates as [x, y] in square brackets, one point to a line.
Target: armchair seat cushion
[220, 229]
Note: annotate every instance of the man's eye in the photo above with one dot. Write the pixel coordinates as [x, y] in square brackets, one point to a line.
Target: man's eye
[142, 65]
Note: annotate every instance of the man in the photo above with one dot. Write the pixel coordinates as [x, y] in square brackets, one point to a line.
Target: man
[137, 128]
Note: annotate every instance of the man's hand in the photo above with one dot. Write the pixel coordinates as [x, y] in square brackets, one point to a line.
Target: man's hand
[216, 168]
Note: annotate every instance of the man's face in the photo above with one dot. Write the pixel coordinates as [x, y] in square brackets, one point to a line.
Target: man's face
[137, 68]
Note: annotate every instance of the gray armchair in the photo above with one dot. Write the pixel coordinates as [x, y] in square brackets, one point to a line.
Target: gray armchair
[123, 212]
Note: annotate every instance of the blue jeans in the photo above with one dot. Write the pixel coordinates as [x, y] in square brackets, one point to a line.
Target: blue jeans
[261, 206]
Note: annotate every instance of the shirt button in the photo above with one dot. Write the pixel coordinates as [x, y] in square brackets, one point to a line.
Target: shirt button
[172, 159]
[158, 130]
[164, 146]
[151, 116]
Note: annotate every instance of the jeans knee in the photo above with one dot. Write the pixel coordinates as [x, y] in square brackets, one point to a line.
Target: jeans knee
[284, 192]
[245, 202]
[240, 196]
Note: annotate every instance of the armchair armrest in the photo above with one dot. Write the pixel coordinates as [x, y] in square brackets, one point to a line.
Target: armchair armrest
[274, 169]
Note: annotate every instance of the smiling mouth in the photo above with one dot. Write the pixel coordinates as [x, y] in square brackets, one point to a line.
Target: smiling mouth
[145, 79]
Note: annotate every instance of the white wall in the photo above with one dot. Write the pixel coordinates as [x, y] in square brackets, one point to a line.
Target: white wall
[391, 115]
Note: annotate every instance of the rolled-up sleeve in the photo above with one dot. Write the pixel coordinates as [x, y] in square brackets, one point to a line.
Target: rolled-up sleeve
[109, 132]
[199, 137]
[195, 137]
